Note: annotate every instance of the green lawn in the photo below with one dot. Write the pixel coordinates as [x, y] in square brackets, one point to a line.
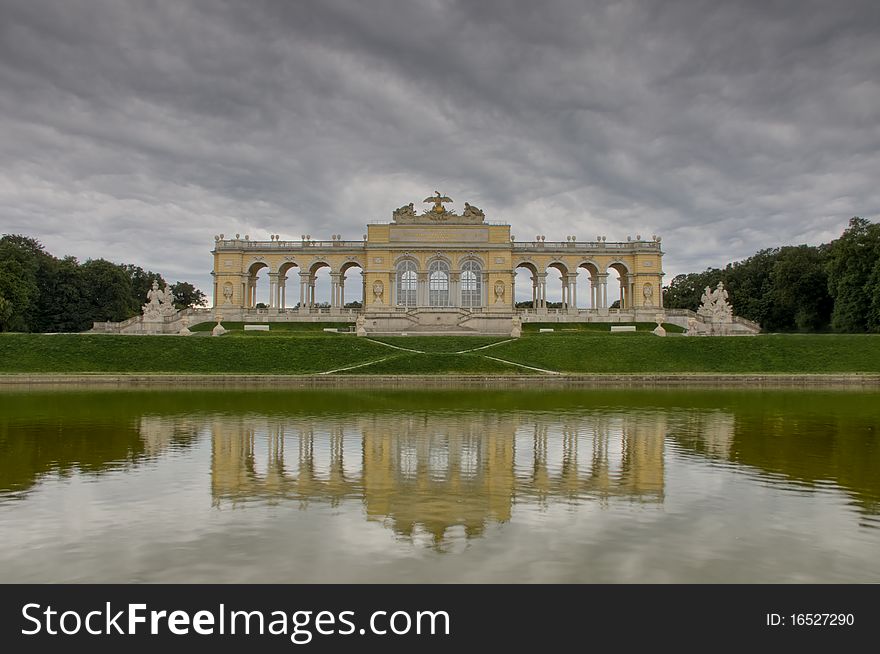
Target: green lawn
[310, 352]
[279, 328]
[637, 353]
[438, 364]
[439, 343]
[567, 327]
[111, 353]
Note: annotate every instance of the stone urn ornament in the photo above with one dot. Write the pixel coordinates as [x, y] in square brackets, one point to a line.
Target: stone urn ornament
[219, 329]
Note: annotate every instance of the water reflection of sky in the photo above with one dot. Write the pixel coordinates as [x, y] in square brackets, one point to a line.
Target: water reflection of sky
[598, 496]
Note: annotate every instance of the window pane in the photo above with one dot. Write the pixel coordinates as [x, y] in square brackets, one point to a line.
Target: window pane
[471, 285]
[438, 284]
[407, 284]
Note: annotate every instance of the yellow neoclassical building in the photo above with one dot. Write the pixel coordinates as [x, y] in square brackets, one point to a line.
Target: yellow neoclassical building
[437, 271]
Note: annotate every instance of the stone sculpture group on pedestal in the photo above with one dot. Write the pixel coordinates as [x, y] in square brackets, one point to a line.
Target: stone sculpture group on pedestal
[715, 313]
[159, 304]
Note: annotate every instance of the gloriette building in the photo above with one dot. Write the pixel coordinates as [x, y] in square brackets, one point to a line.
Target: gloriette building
[437, 271]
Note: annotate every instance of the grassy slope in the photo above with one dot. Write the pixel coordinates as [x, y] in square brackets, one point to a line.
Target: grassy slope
[624, 353]
[287, 328]
[440, 343]
[302, 353]
[597, 326]
[105, 353]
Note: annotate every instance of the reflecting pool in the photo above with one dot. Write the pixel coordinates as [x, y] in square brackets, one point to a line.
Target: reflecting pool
[440, 486]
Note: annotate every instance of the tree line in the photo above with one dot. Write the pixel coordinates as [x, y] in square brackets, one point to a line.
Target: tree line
[42, 293]
[830, 287]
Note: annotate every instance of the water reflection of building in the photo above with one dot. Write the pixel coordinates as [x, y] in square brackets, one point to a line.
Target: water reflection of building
[712, 432]
[160, 433]
[434, 471]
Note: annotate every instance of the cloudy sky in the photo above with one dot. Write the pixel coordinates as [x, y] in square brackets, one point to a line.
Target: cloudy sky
[135, 131]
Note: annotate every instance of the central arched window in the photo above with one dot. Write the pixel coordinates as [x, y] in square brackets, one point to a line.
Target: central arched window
[471, 284]
[407, 283]
[438, 284]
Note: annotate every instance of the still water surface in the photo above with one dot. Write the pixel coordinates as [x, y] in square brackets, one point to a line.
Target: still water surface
[474, 486]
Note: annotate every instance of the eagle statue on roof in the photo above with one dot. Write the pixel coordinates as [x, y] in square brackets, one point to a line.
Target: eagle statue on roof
[438, 201]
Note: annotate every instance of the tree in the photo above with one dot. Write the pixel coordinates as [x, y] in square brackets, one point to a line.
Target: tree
[62, 305]
[799, 282]
[186, 295]
[21, 260]
[5, 311]
[853, 277]
[106, 290]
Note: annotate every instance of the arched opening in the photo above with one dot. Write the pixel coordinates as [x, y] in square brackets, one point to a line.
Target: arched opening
[471, 283]
[556, 286]
[438, 284]
[285, 272]
[407, 281]
[350, 286]
[589, 289]
[320, 286]
[619, 286]
[256, 295]
[525, 285]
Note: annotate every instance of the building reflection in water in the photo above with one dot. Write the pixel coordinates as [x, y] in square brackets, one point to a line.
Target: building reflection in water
[437, 471]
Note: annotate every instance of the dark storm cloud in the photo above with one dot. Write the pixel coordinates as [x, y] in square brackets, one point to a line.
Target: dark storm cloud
[137, 131]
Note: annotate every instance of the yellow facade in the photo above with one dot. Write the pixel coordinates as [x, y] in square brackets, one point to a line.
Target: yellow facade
[437, 260]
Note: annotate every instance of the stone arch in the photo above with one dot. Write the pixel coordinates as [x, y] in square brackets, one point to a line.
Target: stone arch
[406, 256]
[625, 281]
[320, 284]
[359, 292]
[563, 283]
[439, 256]
[252, 293]
[284, 269]
[471, 256]
[529, 290]
[589, 287]
[619, 265]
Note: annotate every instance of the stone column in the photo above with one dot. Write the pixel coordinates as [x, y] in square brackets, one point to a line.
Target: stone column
[422, 289]
[511, 300]
[303, 292]
[484, 291]
[282, 282]
[335, 304]
[542, 292]
[454, 289]
[602, 291]
[273, 290]
[342, 290]
[534, 292]
[363, 290]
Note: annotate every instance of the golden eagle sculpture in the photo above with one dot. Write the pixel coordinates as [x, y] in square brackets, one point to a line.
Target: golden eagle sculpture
[438, 201]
